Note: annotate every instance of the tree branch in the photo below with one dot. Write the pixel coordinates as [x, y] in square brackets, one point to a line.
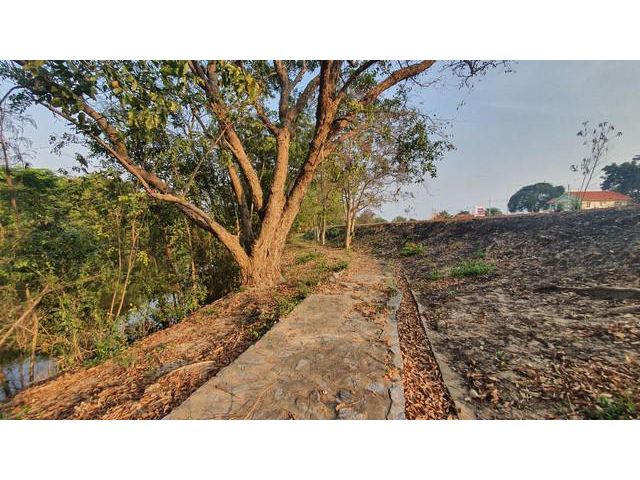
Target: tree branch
[304, 97]
[300, 74]
[285, 90]
[361, 69]
[232, 140]
[264, 118]
[395, 78]
[325, 113]
[153, 185]
[260, 111]
[6, 95]
[245, 214]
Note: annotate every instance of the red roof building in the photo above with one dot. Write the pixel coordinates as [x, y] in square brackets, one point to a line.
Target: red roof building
[601, 196]
[589, 200]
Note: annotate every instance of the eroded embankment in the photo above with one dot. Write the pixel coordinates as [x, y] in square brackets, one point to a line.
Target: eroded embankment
[152, 376]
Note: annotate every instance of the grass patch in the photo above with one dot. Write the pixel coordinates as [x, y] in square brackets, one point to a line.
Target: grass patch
[306, 283]
[410, 249]
[24, 410]
[434, 275]
[300, 284]
[125, 359]
[471, 268]
[264, 326]
[479, 254]
[465, 268]
[285, 304]
[341, 265]
[323, 266]
[501, 356]
[307, 257]
[619, 408]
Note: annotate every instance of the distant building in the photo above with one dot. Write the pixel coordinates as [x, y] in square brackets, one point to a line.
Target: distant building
[479, 211]
[589, 200]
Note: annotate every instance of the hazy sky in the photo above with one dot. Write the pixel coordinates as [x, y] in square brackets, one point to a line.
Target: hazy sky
[512, 130]
[520, 128]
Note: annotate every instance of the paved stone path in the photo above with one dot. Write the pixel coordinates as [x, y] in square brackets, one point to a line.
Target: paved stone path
[336, 355]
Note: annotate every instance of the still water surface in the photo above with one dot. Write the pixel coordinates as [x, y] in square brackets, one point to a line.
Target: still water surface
[16, 374]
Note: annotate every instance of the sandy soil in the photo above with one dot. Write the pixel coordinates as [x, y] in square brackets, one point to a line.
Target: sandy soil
[554, 331]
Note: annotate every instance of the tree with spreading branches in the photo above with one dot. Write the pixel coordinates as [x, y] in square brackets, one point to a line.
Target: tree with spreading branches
[534, 197]
[261, 127]
[623, 178]
[390, 150]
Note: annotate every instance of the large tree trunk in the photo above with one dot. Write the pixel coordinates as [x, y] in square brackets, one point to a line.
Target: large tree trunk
[264, 267]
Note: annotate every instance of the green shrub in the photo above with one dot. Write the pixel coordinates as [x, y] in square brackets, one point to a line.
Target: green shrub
[410, 249]
[107, 347]
[481, 254]
[307, 257]
[434, 275]
[620, 408]
[309, 235]
[341, 265]
[335, 233]
[468, 268]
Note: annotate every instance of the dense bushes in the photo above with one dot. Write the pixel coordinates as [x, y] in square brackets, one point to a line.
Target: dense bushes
[116, 264]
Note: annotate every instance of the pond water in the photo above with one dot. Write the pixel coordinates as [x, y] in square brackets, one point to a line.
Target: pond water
[138, 322]
[16, 374]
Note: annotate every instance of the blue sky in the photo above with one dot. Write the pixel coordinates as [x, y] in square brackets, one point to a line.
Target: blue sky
[519, 128]
[512, 130]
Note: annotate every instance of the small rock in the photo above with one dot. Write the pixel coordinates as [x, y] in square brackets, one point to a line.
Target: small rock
[344, 396]
[377, 388]
[302, 363]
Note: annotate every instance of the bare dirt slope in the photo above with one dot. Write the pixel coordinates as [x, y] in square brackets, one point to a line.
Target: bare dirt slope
[550, 328]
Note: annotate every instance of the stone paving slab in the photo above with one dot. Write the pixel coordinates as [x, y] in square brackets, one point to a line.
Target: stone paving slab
[325, 360]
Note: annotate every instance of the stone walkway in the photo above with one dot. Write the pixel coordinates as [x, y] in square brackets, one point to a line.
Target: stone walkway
[336, 355]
